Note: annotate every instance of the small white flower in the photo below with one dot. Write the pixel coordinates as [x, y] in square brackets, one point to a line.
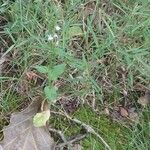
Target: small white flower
[50, 37]
[55, 36]
[57, 28]
[57, 43]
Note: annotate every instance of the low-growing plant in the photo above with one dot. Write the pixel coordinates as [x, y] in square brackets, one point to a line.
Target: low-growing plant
[53, 74]
[50, 92]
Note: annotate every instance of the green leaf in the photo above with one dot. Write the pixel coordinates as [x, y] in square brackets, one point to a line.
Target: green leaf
[41, 118]
[54, 73]
[74, 31]
[42, 69]
[51, 93]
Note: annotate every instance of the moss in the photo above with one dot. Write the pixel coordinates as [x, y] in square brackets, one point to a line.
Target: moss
[64, 125]
[113, 133]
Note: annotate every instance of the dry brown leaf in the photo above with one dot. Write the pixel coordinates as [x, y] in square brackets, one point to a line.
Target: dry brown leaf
[123, 112]
[134, 116]
[106, 111]
[31, 75]
[144, 101]
[22, 135]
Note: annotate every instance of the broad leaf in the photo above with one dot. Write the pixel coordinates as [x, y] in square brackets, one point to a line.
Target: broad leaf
[74, 31]
[51, 93]
[42, 69]
[55, 72]
[21, 134]
[41, 118]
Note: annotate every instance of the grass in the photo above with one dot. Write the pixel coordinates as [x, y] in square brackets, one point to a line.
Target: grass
[110, 57]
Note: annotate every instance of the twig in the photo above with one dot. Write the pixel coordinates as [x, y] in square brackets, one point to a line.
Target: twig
[88, 128]
[72, 140]
[68, 142]
[59, 133]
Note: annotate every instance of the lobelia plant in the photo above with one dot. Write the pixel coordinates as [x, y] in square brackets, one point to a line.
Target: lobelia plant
[50, 92]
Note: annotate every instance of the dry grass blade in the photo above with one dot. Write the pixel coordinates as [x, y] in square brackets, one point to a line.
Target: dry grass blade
[2, 60]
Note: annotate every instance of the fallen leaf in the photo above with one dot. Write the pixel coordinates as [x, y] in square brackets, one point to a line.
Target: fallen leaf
[144, 101]
[1, 147]
[31, 75]
[41, 118]
[123, 112]
[134, 116]
[74, 31]
[106, 111]
[21, 133]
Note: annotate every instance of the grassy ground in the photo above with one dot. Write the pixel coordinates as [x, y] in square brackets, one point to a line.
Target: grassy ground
[107, 63]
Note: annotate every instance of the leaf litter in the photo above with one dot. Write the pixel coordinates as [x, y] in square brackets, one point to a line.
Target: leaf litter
[28, 130]
[22, 134]
[123, 112]
[41, 118]
[145, 100]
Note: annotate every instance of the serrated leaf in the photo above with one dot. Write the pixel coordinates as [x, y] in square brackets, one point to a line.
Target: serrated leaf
[54, 73]
[41, 118]
[42, 69]
[20, 134]
[74, 31]
[51, 93]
